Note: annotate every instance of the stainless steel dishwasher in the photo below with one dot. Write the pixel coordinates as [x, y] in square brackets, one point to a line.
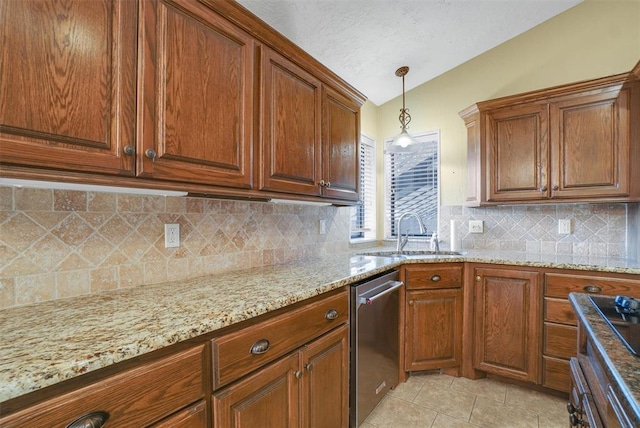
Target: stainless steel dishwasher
[374, 355]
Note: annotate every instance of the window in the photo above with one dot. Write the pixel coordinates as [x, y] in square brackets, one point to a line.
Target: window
[363, 215]
[411, 185]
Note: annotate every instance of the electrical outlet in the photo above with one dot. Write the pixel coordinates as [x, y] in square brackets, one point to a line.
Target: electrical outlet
[171, 235]
[322, 227]
[476, 226]
[565, 226]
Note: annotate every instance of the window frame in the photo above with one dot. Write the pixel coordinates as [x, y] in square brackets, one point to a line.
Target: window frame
[372, 217]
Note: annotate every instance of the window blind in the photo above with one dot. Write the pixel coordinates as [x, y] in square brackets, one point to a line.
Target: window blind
[363, 215]
[412, 185]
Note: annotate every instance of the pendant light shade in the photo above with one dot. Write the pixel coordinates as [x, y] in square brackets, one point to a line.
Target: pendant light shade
[403, 142]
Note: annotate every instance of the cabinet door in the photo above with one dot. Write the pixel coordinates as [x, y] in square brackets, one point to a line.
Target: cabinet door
[290, 127]
[325, 381]
[517, 150]
[433, 329]
[196, 92]
[192, 417]
[340, 142]
[507, 323]
[268, 398]
[67, 79]
[590, 143]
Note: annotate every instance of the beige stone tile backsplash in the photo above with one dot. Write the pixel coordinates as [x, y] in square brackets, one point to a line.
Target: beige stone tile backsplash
[59, 243]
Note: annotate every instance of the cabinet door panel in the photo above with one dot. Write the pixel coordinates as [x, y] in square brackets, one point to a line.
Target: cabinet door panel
[68, 84]
[325, 386]
[268, 398]
[197, 96]
[433, 329]
[507, 323]
[518, 152]
[340, 142]
[591, 150]
[290, 126]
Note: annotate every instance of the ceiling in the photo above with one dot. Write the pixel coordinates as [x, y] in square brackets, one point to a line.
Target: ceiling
[365, 41]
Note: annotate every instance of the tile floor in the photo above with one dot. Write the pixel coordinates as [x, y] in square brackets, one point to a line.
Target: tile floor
[436, 400]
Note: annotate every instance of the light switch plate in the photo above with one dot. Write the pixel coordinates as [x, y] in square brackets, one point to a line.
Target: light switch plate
[476, 226]
[171, 235]
[565, 227]
[322, 227]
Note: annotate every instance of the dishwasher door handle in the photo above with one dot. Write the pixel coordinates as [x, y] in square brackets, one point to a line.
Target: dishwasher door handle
[369, 300]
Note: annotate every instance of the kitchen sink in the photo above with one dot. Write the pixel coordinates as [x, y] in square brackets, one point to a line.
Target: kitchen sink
[409, 254]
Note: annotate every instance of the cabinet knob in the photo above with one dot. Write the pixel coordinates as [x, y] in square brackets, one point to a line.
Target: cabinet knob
[478, 278]
[308, 367]
[570, 408]
[129, 150]
[410, 302]
[435, 278]
[298, 374]
[260, 347]
[543, 189]
[555, 187]
[90, 420]
[151, 154]
[326, 184]
[594, 289]
[331, 314]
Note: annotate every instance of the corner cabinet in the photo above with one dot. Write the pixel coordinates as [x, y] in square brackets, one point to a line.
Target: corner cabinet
[507, 322]
[68, 84]
[570, 143]
[315, 151]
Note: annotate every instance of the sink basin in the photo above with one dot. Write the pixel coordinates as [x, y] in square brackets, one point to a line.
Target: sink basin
[413, 254]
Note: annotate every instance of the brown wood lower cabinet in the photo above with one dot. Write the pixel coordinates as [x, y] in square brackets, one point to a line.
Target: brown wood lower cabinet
[307, 388]
[133, 398]
[192, 417]
[433, 316]
[506, 322]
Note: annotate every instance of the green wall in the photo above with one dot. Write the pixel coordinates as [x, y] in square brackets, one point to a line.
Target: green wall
[593, 39]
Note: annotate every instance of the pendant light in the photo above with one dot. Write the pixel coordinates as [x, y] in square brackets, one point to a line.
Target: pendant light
[403, 143]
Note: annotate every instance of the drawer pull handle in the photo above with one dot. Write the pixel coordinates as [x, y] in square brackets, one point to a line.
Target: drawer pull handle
[260, 347]
[436, 278]
[592, 289]
[90, 420]
[331, 314]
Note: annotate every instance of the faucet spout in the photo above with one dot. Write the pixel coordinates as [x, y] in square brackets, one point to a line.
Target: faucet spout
[401, 242]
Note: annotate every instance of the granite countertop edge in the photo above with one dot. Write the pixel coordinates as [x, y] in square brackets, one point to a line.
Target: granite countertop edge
[620, 365]
[110, 327]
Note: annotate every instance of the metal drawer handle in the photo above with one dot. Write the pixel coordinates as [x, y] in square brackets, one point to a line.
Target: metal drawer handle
[331, 314]
[592, 289]
[260, 347]
[435, 278]
[298, 374]
[309, 367]
[90, 420]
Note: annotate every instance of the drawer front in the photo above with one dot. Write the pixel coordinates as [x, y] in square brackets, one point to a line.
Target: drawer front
[560, 285]
[433, 276]
[134, 398]
[560, 340]
[559, 311]
[556, 374]
[269, 339]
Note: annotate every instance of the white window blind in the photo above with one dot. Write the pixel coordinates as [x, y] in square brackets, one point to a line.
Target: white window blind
[412, 185]
[363, 215]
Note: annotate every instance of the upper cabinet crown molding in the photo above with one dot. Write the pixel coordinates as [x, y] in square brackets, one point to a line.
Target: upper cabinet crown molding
[571, 143]
[175, 94]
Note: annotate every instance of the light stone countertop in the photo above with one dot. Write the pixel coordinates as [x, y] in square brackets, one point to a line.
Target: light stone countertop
[621, 366]
[49, 342]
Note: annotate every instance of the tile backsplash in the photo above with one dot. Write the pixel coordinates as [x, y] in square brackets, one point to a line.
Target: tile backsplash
[598, 229]
[60, 243]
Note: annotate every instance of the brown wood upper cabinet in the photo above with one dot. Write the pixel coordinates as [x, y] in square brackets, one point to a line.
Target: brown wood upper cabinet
[68, 84]
[196, 95]
[310, 133]
[571, 143]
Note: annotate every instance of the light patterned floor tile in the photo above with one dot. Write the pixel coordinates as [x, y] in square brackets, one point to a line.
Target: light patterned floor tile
[488, 388]
[444, 421]
[457, 404]
[490, 413]
[395, 413]
[536, 401]
[409, 389]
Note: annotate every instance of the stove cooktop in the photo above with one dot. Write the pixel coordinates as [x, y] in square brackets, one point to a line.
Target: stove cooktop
[622, 313]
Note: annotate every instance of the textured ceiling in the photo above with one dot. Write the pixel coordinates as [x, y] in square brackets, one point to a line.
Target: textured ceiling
[365, 41]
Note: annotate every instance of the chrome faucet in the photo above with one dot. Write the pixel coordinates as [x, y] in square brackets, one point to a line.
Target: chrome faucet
[403, 241]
